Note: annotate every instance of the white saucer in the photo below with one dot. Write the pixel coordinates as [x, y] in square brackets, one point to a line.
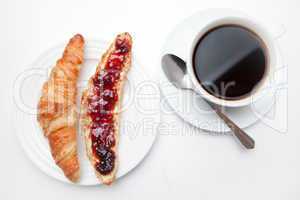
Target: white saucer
[189, 106]
[139, 120]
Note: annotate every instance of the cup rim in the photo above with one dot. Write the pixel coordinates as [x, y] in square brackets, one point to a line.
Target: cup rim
[248, 23]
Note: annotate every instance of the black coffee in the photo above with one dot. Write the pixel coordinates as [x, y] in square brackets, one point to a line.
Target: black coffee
[230, 61]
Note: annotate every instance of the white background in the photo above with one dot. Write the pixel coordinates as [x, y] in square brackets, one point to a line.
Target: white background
[194, 166]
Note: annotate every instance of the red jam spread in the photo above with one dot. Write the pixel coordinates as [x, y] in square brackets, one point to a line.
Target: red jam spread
[101, 106]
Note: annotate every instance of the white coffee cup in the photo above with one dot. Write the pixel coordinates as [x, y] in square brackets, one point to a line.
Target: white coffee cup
[221, 17]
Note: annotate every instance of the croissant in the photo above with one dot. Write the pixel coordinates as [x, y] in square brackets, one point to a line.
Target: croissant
[57, 114]
[100, 108]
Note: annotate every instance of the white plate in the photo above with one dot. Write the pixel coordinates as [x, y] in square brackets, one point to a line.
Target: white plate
[139, 120]
[189, 106]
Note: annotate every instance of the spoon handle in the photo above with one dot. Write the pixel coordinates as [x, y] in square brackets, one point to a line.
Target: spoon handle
[242, 136]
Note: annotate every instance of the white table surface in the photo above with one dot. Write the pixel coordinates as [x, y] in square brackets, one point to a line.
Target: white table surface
[180, 166]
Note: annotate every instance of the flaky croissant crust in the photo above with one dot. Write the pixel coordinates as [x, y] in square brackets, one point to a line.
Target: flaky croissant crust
[57, 108]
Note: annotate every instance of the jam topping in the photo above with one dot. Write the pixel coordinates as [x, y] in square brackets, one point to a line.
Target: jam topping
[107, 164]
[101, 106]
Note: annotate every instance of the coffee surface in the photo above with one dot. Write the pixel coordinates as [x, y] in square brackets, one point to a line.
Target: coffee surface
[229, 62]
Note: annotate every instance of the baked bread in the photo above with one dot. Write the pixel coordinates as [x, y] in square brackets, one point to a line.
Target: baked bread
[57, 108]
[100, 108]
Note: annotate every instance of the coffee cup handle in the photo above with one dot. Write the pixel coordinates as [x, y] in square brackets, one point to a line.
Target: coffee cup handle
[278, 32]
[280, 73]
